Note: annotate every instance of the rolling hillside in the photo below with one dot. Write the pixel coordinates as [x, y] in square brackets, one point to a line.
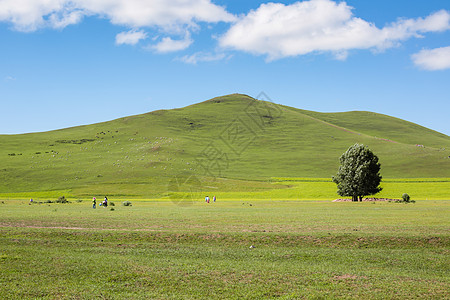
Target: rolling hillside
[234, 141]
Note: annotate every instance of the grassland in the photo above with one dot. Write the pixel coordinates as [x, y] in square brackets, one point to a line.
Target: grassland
[158, 250]
[270, 167]
[235, 142]
[280, 188]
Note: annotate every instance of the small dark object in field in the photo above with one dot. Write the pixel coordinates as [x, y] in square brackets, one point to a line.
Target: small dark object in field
[126, 203]
[62, 199]
[406, 197]
[79, 142]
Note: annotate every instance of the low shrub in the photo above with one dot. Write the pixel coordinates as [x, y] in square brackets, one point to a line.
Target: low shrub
[111, 204]
[406, 197]
[62, 199]
[126, 203]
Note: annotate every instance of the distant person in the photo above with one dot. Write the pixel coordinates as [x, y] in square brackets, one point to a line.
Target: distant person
[31, 200]
[207, 199]
[94, 202]
[214, 198]
[105, 202]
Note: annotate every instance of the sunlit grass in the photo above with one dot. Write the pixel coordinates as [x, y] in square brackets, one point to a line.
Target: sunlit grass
[161, 249]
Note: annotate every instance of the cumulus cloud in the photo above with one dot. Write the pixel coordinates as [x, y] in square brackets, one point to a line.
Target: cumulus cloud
[169, 45]
[131, 37]
[433, 60]
[65, 18]
[203, 57]
[29, 15]
[278, 30]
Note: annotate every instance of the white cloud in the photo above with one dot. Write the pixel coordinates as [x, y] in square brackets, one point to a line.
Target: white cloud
[433, 60]
[63, 19]
[277, 30]
[131, 37]
[169, 45]
[167, 14]
[28, 15]
[170, 15]
[203, 57]
[439, 21]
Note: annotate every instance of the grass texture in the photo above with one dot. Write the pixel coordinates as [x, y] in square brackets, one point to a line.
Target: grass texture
[225, 250]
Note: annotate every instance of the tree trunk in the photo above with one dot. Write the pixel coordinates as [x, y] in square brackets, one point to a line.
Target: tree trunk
[354, 198]
[360, 198]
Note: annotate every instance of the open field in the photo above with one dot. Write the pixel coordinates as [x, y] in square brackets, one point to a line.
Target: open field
[277, 188]
[274, 232]
[325, 189]
[159, 250]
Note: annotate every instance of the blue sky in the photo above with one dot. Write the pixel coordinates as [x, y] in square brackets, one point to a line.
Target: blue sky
[67, 63]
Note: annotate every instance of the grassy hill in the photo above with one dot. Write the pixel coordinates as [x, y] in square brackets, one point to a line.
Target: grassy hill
[235, 142]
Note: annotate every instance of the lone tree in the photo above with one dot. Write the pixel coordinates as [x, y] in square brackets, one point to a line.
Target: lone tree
[359, 173]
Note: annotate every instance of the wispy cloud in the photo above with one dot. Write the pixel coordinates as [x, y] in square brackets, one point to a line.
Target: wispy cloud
[277, 30]
[433, 60]
[10, 78]
[131, 37]
[203, 57]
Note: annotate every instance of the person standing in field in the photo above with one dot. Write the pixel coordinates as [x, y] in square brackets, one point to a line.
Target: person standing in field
[105, 202]
[94, 202]
[214, 198]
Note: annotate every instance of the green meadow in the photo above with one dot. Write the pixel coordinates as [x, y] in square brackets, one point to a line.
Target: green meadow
[273, 233]
[232, 143]
[249, 249]
[275, 189]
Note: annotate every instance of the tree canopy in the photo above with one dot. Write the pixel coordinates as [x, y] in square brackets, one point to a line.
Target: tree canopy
[359, 173]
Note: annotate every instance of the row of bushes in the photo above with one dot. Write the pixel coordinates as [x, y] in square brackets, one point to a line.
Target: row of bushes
[63, 200]
[405, 199]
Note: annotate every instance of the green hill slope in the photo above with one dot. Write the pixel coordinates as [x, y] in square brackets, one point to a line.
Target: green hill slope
[382, 126]
[242, 141]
